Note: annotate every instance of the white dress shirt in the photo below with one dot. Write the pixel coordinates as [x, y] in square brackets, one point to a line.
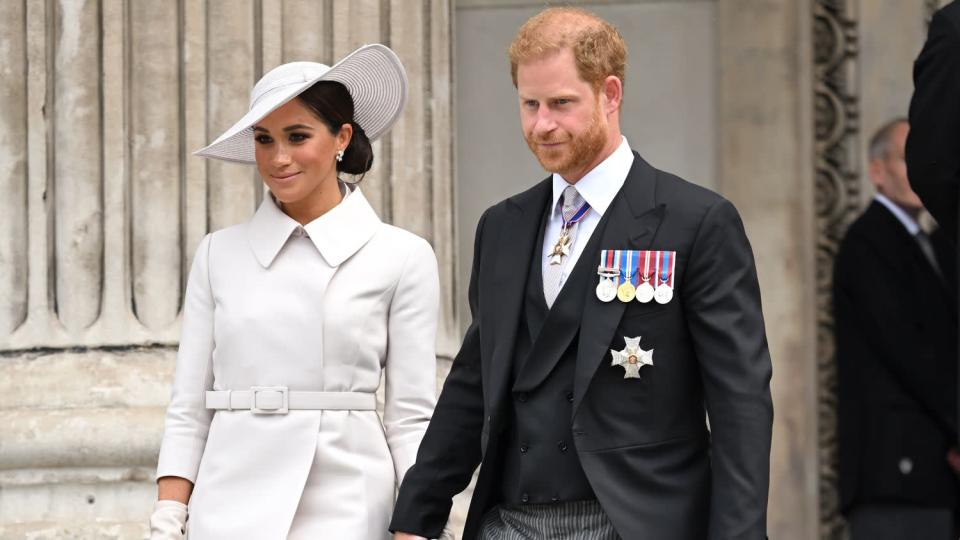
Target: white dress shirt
[598, 188]
[908, 222]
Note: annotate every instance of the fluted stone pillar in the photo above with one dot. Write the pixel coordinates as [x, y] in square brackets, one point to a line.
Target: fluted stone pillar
[103, 103]
[766, 169]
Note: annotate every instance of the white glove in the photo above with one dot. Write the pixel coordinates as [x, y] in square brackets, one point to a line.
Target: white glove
[169, 521]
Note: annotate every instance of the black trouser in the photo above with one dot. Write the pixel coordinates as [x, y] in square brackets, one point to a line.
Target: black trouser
[900, 522]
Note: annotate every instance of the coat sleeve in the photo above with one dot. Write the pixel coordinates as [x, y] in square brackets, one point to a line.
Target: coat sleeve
[722, 302]
[933, 144]
[188, 420]
[451, 447]
[411, 362]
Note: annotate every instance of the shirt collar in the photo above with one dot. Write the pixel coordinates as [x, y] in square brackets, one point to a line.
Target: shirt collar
[908, 222]
[599, 186]
[337, 234]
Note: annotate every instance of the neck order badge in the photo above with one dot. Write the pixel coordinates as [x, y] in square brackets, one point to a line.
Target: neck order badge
[562, 247]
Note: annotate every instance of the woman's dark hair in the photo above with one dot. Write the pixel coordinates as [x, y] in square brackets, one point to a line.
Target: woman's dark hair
[332, 104]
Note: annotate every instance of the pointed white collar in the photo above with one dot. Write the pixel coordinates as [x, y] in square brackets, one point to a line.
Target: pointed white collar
[337, 235]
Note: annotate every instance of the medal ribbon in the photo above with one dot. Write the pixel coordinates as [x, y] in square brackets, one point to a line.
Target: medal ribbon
[645, 276]
[673, 266]
[624, 256]
[577, 216]
[669, 264]
[606, 258]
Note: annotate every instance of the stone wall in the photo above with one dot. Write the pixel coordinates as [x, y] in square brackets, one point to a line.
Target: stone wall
[103, 102]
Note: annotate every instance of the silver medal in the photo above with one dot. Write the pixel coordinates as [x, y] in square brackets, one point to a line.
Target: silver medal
[632, 358]
[606, 289]
[645, 292]
[663, 294]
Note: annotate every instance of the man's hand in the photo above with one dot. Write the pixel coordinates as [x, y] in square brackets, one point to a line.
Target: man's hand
[953, 459]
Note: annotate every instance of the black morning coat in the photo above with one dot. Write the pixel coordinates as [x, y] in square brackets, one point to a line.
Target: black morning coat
[643, 443]
[896, 339]
[933, 145]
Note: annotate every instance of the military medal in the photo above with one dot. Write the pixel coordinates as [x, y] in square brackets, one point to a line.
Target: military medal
[632, 358]
[667, 265]
[562, 248]
[607, 288]
[627, 292]
[645, 289]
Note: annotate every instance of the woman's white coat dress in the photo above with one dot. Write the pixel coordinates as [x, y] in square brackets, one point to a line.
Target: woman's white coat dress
[329, 306]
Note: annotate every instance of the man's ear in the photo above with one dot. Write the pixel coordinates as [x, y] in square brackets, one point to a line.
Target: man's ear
[875, 172]
[612, 92]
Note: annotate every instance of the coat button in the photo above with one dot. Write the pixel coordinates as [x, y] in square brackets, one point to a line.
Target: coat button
[562, 445]
[525, 498]
[524, 448]
[522, 397]
[570, 397]
[555, 499]
[906, 465]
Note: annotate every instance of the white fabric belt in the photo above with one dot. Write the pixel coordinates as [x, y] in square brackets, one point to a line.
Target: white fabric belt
[280, 400]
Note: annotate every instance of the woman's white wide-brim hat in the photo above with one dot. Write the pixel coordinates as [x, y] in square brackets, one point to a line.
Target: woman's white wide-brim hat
[372, 74]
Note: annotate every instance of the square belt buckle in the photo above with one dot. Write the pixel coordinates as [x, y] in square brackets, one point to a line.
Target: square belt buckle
[270, 400]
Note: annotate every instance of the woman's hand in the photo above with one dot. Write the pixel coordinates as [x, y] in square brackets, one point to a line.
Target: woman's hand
[169, 520]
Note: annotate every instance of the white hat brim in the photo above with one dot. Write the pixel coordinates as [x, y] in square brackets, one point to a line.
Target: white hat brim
[372, 74]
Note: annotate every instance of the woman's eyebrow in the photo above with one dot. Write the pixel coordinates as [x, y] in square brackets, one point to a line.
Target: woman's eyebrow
[286, 129]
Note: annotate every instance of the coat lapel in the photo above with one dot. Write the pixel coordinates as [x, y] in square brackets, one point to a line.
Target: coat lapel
[516, 249]
[634, 218]
[562, 320]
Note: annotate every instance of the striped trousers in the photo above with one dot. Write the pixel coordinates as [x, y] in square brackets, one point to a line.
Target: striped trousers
[578, 520]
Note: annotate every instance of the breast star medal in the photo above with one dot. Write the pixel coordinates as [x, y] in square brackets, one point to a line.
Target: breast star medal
[632, 358]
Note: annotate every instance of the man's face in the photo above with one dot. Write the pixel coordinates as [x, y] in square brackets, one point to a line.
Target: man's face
[561, 115]
[889, 173]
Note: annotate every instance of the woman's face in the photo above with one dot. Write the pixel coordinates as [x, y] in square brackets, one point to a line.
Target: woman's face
[296, 154]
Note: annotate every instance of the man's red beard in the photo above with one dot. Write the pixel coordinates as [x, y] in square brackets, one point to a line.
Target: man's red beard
[576, 153]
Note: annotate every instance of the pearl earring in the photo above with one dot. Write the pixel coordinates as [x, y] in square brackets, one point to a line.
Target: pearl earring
[339, 155]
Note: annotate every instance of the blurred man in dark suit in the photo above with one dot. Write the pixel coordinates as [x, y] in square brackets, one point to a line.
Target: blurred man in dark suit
[933, 148]
[896, 335]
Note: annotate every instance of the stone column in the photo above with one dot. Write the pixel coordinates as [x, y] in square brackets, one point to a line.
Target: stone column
[765, 163]
[104, 101]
